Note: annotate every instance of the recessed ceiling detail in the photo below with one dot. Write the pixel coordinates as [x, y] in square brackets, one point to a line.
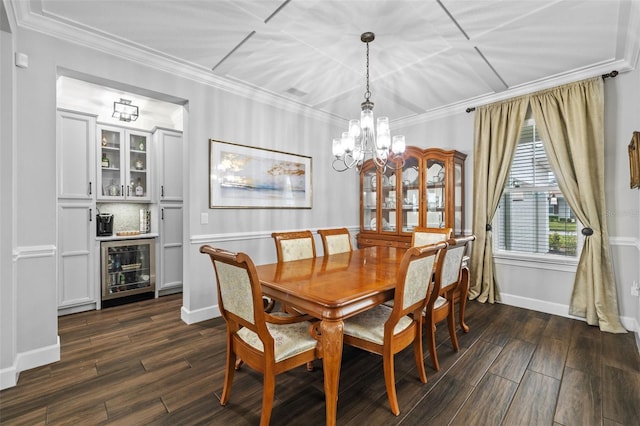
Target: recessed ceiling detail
[429, 56]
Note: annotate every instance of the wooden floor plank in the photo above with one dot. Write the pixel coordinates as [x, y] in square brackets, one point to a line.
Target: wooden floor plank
[621, 395]
[550, 357]
[580, 399]
[513, 360]
[534, 402]
[488, 403]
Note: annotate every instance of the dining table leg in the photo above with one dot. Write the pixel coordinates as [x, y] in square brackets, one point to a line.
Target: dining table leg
[332, 334]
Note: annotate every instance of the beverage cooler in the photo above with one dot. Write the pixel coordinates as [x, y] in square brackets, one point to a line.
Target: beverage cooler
[128, 268]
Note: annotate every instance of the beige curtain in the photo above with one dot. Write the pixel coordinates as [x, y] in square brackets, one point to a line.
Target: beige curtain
[570, 120]
[497, 130]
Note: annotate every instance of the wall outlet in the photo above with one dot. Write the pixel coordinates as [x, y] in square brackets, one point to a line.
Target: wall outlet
[204, 218]
[635, 288]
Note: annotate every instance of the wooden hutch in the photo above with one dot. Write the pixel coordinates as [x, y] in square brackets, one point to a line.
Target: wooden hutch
[427, 190]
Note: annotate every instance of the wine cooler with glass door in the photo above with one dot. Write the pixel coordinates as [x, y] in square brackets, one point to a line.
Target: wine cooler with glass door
[128, 269]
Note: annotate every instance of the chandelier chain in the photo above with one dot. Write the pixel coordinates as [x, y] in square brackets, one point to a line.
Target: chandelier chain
[367, 94]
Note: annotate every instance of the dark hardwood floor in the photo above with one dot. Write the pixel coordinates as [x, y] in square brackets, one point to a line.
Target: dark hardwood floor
[140, 364]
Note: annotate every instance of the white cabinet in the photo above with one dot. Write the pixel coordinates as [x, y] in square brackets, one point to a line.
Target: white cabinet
[168, 146]
[171, 246]
[75, 155]
[76, 236]
[124, 164]
[76, 230]
[169, 162]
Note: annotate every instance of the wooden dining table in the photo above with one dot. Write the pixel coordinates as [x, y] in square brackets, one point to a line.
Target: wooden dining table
[332, 288]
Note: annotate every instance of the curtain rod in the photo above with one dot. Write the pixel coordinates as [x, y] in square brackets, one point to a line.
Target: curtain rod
[611, 74]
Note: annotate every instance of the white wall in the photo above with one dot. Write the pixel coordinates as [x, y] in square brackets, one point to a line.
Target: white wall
[7, 311]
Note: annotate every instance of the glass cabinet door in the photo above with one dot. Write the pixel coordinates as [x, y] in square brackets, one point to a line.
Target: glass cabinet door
[110, 176]
[138, 166]
[435, 177]
[388, 198]
[409, 184]
[369, 199]
[458, 221]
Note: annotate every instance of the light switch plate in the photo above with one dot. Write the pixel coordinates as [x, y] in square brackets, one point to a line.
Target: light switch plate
[204, 218]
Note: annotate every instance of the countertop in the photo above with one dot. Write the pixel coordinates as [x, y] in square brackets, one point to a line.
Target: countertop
[115, 237]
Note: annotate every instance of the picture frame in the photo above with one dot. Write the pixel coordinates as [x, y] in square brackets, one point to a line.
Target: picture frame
[242, 176]
[634, 161]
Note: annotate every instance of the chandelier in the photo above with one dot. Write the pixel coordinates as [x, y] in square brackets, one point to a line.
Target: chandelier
[362, 140]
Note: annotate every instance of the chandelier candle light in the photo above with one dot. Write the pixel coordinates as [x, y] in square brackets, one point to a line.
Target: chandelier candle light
[361, 140]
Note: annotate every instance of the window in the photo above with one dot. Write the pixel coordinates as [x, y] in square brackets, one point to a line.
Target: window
[533, 215]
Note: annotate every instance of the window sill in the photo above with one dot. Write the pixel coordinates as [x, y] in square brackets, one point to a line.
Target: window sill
[536, 261]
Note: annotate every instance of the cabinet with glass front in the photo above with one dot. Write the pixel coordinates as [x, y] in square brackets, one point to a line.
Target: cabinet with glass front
[124, 164]
[423, 187]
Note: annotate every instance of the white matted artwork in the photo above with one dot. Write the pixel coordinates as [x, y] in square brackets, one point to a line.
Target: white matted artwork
[246, 177]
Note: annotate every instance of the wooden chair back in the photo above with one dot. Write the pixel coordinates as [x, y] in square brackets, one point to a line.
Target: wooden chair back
[294, 245]
[452, 267]
[413, 286]
[422, 235]
[336, 240]
[239, 292]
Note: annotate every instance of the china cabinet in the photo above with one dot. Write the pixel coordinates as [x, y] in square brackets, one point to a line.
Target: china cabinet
[423, 187]
[123, 164]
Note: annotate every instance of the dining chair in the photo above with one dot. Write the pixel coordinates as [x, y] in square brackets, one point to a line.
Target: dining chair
[270, 344]
[294, 245]
[422, 236]
[386, 330]
[441, 305]
[336, 240]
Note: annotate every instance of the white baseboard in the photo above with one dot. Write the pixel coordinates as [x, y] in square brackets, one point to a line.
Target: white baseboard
[198, 315]
[557, 309]
[27, 360]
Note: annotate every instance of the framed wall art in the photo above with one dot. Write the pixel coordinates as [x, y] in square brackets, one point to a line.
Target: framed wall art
[634, 160]
[247, 177]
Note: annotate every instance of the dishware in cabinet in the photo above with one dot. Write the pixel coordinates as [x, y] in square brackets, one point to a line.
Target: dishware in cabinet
[124, 164]
[128, 267]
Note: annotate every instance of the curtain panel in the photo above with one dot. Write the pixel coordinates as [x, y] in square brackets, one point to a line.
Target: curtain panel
[497, 129]
[570, 120]
[571, 123]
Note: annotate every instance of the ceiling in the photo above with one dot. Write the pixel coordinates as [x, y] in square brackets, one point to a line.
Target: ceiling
[428, 56]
